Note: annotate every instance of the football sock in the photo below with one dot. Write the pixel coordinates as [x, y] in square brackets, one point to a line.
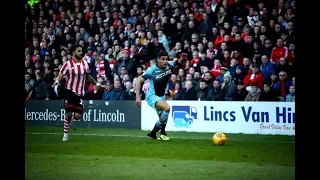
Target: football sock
[164, 119]
[156, 127]
[66, 125]
[161, 123]
[163, 128]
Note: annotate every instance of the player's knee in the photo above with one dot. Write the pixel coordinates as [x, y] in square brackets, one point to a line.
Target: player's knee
[77, 116]
[69, 115]
[167, 108]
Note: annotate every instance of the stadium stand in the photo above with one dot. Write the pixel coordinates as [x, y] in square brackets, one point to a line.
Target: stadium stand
[234, 50]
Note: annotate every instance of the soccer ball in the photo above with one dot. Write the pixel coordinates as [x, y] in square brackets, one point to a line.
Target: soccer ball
[219, 138]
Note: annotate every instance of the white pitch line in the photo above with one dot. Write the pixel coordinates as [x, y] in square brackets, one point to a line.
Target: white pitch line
[133, 136]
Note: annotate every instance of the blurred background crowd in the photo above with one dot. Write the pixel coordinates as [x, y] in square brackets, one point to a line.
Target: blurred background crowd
[233, 50]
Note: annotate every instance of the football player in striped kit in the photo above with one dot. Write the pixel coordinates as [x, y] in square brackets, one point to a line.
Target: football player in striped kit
[76, 71]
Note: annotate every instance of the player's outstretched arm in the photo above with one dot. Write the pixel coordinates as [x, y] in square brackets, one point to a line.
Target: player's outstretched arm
[176, 61]
[138, 89]
[58, 79]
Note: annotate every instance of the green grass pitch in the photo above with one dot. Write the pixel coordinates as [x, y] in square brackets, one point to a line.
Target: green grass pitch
[107, 154]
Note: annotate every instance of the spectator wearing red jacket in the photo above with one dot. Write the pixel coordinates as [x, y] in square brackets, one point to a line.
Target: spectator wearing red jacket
[220, 37]
[215, 71]
[254, 76]
[90, 28]
[278, 52]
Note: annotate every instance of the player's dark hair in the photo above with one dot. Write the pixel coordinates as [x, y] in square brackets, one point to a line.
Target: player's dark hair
[73, 48]
[162, 53]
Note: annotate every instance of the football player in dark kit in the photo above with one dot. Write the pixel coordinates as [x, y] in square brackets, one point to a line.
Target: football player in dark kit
[159, 75]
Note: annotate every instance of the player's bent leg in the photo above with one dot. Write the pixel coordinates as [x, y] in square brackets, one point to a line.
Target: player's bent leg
[66, 126]
[161, 104]
[77, 116]
[151, 100]
[156, 128]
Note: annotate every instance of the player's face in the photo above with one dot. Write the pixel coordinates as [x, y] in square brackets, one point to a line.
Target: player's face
[78, 53]
[163, 61]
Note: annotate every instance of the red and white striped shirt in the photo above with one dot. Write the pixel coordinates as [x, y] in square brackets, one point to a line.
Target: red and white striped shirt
[75, 74]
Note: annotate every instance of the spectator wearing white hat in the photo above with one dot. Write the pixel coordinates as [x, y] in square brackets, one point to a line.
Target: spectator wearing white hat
[254, 93]
[228, 87]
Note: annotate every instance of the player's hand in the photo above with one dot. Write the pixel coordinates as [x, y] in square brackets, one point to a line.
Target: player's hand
[138, 101]
[55, 83]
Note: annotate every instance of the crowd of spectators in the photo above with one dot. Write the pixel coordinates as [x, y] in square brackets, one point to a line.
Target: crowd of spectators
[233, 50]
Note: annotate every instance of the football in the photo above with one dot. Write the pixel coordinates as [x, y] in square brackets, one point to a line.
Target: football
[219, 138]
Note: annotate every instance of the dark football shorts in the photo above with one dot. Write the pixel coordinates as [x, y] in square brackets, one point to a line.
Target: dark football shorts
[73, 102]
